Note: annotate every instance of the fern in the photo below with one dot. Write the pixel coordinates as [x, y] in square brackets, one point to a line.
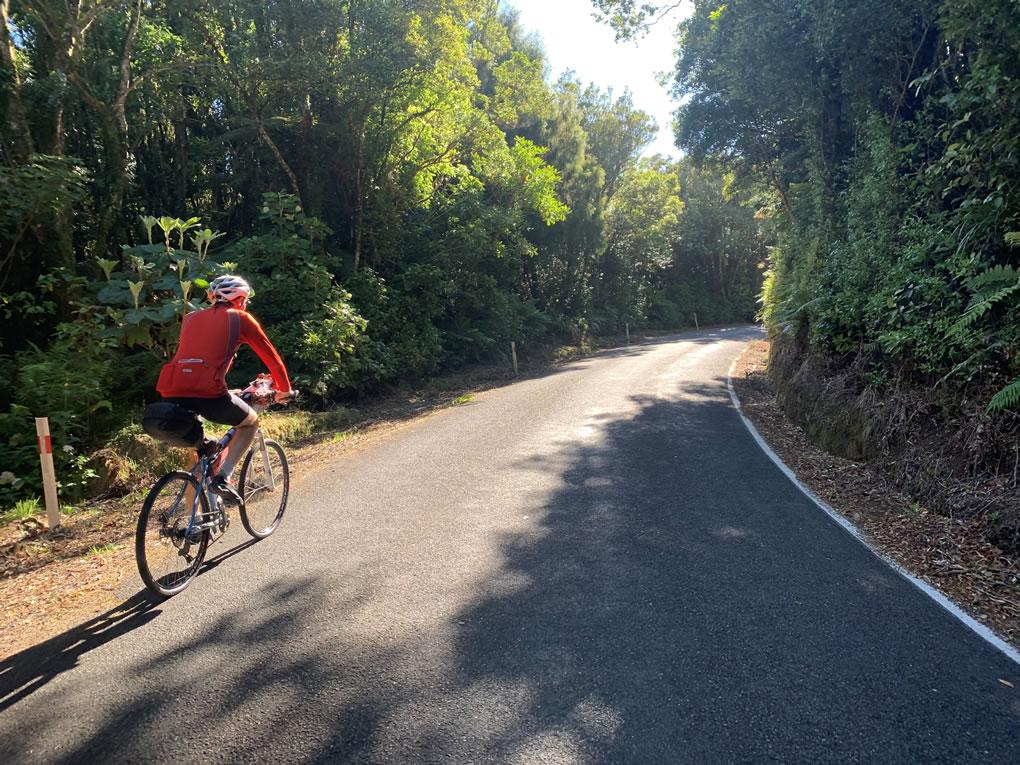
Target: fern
[991, 287]
[994, 276]
[1007, 398]
[1013, 238]
[980, 304]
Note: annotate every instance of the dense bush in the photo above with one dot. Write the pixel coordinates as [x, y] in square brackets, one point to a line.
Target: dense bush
[888, 137]
[405, 190]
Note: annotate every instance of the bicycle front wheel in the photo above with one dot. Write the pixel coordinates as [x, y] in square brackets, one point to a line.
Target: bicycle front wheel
[168, 556]
[264, 484]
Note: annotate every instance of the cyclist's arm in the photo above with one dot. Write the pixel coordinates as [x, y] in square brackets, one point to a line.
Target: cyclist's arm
[252, 334]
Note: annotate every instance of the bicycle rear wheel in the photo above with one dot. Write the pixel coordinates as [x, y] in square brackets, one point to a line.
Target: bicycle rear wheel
[264, 491]
[169, 558]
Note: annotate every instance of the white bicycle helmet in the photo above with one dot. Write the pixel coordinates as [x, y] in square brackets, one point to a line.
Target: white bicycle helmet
[229, 288]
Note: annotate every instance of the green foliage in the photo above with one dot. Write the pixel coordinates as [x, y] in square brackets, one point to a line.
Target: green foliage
[72, 389]
[327, 341]
[309, 318]
[989, 288]
[37, 188]
[402, 338]
[537, 181]
[401, 185]
[1007, 398]
[888, 175]
[22, 509]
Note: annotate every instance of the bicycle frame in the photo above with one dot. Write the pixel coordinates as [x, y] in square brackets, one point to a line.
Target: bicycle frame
[270, 478]
[203, 467]
[201, 472]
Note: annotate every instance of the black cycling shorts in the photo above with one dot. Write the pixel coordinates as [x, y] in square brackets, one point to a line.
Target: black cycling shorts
[228, 409]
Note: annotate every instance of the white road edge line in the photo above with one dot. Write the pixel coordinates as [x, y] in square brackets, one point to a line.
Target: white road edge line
[982, 631]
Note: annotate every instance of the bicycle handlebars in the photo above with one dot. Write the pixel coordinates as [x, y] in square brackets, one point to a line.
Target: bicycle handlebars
[261, 391]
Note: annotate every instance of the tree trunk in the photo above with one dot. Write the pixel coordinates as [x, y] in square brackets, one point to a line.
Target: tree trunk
[268, 141]
[783, 196]
[17, 119]
[113, 118]
[180, 149]
[359, 198]
[253, 109]
[115, 145]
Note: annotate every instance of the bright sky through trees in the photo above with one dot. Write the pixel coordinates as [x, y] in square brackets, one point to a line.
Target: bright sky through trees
[573, 39]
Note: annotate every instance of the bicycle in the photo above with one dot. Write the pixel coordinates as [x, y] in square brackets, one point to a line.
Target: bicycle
[181, 517]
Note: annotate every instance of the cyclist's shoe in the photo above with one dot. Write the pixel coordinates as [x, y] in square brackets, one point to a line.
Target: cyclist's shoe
[222, 488]
[208, 447]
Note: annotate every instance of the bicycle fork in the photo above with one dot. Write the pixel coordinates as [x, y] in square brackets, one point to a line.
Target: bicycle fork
[270, 478]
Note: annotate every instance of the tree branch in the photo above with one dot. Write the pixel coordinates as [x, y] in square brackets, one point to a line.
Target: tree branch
[910, 70]
[221, 57]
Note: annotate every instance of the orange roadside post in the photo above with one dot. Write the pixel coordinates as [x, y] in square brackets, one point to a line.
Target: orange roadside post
[49, 474]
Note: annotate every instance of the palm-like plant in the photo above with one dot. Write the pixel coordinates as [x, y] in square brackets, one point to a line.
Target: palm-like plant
[183, 226]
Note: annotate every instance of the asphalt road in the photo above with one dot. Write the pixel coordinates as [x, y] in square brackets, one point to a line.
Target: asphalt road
[597, 565]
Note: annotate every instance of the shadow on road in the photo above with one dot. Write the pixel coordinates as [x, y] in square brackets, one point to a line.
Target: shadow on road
[682, 602]
[675, 600]
[26, 672]
[245, 681]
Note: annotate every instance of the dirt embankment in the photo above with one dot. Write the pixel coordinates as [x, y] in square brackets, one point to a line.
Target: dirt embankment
[950, 456]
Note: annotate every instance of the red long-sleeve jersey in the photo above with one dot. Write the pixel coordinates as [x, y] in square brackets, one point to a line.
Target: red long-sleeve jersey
[209, 340]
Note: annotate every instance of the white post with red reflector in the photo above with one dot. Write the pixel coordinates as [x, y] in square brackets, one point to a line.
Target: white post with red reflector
[42, 429]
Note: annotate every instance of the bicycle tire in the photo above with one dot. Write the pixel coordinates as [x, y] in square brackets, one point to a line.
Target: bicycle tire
[170, 541]
[259, 513]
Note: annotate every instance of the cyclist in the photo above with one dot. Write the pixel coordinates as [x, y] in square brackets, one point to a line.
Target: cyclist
[195, 378]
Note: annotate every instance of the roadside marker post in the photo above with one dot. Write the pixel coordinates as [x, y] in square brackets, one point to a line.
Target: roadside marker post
[513, 354]
[627, 328]
[696, 322]
[42, 430]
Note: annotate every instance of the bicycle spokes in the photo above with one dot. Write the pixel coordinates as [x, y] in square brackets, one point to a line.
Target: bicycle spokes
[171, 540]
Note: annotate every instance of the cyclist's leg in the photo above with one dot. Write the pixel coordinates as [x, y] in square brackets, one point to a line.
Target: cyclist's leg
[231, 410]
[244, 434]
[194, 406]
[189, 491]
[227, 409]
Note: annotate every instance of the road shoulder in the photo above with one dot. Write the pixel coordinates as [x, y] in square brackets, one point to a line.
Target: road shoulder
[950, 555]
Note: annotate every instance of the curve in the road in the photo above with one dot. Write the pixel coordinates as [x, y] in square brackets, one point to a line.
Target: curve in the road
[594, 565]
[847, 525]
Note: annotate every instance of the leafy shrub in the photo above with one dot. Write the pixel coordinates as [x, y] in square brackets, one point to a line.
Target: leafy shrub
[308, 317]
[143, 297]
[401, 340]
[72, 389]
[328, 340]
[122, 327]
